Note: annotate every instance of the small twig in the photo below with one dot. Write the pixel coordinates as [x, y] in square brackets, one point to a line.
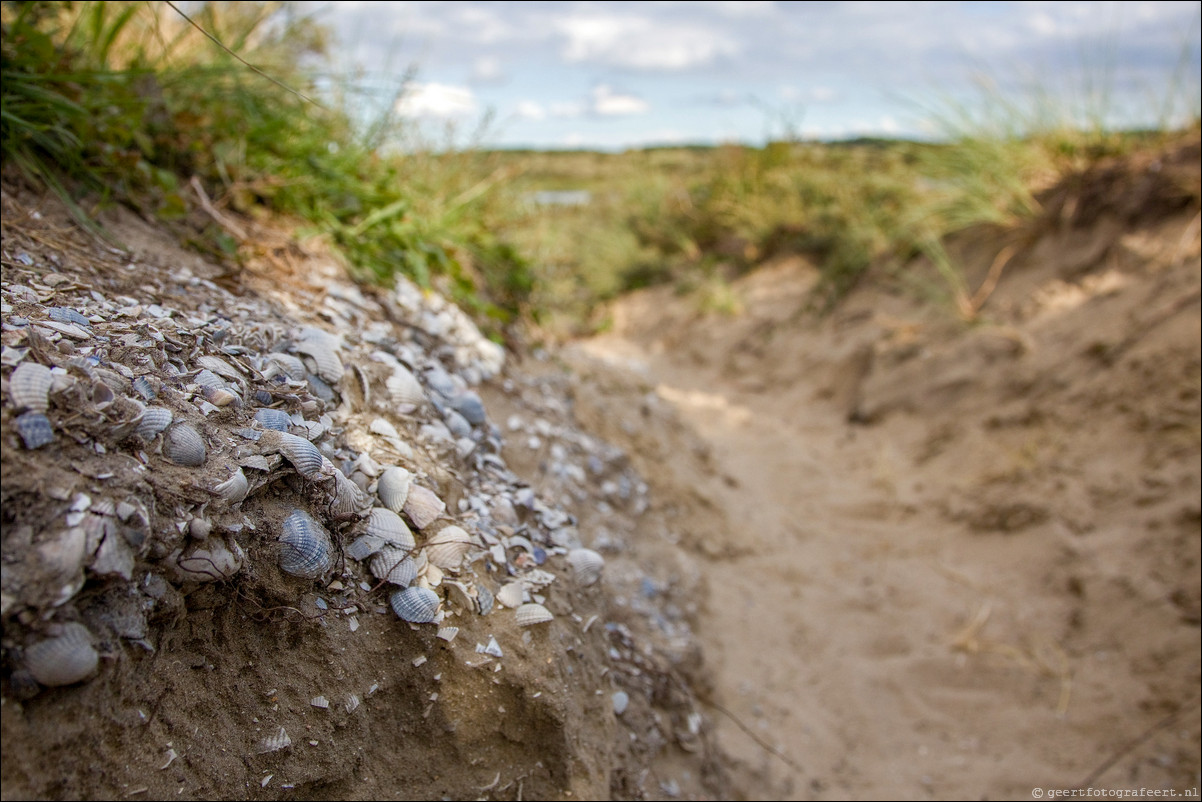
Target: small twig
[1135, 743]
[219, 43]
[767, 747]
[229, 225]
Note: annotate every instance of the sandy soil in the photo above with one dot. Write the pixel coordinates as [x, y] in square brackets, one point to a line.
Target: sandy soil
[943, 561]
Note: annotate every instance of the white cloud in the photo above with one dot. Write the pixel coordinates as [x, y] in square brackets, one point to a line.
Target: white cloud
[437, 100]
[640, 42]
[608, 103]
[487, 70]
[531, 110]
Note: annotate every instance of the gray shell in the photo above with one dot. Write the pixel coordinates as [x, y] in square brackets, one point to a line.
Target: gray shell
[393, 488]
[35, 429]
[469, 405]
[307, 551]
[286, 364]
[29, 386]
[210, 561]
[586, 565]
[303, 455]
[183, 445]
[209, 379]
[63, 659]
[349, 499]
[276, 419]
[388, 525]
[274, 742]
[395, 565]
[530, 614]
[154, 420]
[365, 546]
[144, 388]
[323, 350]
[416, 604]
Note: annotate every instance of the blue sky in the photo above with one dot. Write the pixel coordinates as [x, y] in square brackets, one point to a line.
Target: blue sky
[626, 74]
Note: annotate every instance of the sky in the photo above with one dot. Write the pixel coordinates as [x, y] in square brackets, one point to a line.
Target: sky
[616, 75]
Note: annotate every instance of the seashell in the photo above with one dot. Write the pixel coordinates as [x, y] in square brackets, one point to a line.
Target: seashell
[220, 397]
[432, 576]
[319, 388]
[35, 429]
[233, 489]
[144, 388]
[63, 314]
[183, 445]
[220, 367]
[511, 595]
[416, 605]
[29, 386]
[274, 743]
[307, 552]
[154, 420]
[388, 525]
[276, 419]
[484, 600]
[210, 561]
[530, 614]
[404, 387]
[470, 406]
[303, 455]
[447, 633]
[394, 565]
[209, 379]
[349, 499]
[365, 546]
[457, 424]
[63, 659]
[586, 565]
[422, 506]
[393, 488]
[324, 353]
[448, 546]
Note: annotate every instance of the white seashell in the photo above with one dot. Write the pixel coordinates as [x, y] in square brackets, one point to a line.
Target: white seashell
[233, 489]
[221, 397]
[388, 525]
[511, 595]
[393, 488]
[210, 561]
[274, 743]
[621, 700]
[586, 565]
[63, 659]
[220, 367]
[447, 547]
[324, 354]
[276, 419]
[29, 386]
[183, 445]
[303, 455]
[448, 633]
[404, 387]
[286, 364]
[422, 506]
[394, 565]
[307, 551]
[320, 702]
[209, 380]
[35, 429]
[530, 614]
[154, 420]
[349, 500]
[431, 577]
[417, 605]
[144, 388]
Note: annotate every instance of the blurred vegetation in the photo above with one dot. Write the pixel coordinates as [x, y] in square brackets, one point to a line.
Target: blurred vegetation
[127, 101]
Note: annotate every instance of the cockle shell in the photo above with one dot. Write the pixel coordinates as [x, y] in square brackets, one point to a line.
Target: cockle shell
[511, 595]
[276, 419]
[220, 367]
[365, 546]
[67, 657]
[404, 387]
[530, 614]
[586, 565]
[209, 561]
[154, 420]
[394, 565]
[233, 489]
[388, 525]
[287, 364]
[29, 386]
[183, 445]
[209, 379]
[422, 506]
[350, 500]
[307, 551]
[469, 405]
[447, 547]
[393, 487]
[274, 742]
[416, 605]
[35, 429]
[322, 348]
[303, 455]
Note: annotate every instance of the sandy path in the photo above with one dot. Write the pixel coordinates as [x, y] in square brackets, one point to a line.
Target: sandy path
[872, 612]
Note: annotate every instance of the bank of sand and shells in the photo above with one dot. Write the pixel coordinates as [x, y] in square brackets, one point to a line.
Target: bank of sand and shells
[164, 434]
